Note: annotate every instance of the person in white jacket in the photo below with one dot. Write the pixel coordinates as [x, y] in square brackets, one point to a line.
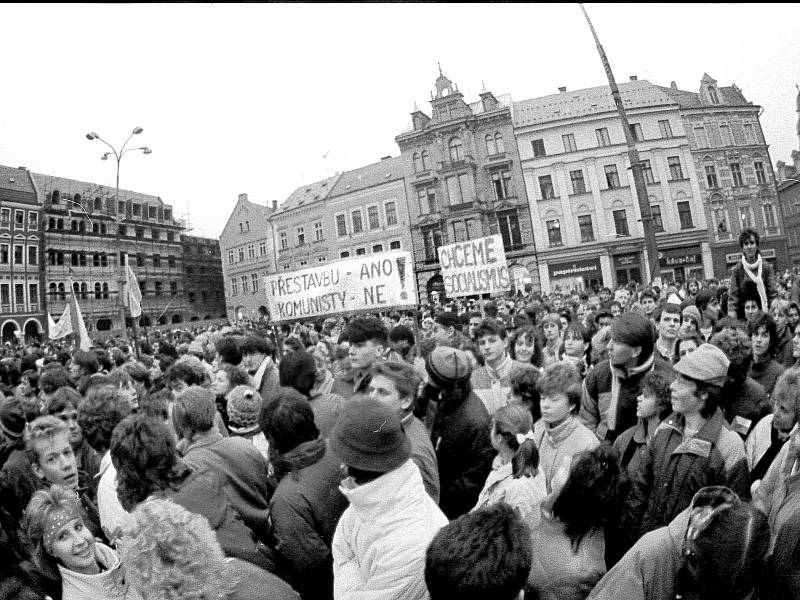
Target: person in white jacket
[380, 541]
[63, 548]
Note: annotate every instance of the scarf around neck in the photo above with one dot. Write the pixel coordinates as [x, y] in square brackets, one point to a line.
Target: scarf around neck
[754, 272]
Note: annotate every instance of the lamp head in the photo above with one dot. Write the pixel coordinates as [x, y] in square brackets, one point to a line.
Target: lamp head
[137, 130]
[92, 135]
[105, 156]
[146, 150]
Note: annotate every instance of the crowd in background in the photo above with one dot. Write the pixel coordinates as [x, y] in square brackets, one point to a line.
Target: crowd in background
[633, 443]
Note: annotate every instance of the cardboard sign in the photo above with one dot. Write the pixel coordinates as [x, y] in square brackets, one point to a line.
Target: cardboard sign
[370, 282]
[474, 267]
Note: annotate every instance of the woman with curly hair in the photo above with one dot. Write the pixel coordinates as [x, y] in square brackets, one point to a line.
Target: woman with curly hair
[143, 451]
[64, 550]
[523, 345]
[173, 554]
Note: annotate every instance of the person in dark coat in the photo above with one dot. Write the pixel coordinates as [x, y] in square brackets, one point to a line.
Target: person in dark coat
[460, 430]
[307, 503]
[753, 269]
[779, 311]
[763, 336]
[608, 405]
[692, 448]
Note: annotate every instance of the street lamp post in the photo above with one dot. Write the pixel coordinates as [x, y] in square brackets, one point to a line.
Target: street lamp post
[118, 156]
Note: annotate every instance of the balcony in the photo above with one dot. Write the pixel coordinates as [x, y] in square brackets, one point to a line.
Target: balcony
[460, 207]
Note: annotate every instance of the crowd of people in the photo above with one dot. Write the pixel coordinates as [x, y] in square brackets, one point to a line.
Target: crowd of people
[637, 443]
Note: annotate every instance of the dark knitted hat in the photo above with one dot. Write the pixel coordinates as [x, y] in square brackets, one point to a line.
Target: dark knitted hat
[448, 366]
[12, 418]
[370, 437]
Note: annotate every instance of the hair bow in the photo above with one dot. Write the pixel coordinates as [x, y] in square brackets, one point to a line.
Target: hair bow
[521, 438]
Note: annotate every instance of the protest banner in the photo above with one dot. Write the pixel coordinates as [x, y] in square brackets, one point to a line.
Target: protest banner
[374, 282]
[474, 267]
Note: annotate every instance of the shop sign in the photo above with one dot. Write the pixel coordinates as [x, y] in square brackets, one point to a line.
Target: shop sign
[679, 257]
[625, 260]
[734, 257]
[577, 268]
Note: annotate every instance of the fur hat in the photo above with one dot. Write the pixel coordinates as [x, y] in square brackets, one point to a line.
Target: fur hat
[370, 437]
[448, 366]
[244, 406]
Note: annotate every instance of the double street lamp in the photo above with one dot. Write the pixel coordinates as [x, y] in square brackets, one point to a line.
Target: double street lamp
[118, 154]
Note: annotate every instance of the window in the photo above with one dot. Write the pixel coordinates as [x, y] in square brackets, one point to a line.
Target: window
[685, 215]
[170, 234]
[33, 293]
[725, 133]
[578, 184]
[456, 152]
[303, 263]
[19, 294]
[321, 259]
[318, 231]
[137, 210]
[121, 207]
[665, 128]
[491, 147]
[230, 257]
[427, 200]
[538, 148]
[711, 177]
[234, 287]
[262, 249]
[173, 288]
[373, 218]
[459, 231]
[498, 141]
[122, 260]
[5, 294]
[344, 254]
[760, 176]
[361, 251]
[5, 217]
[509, 229]
[749, 134]
[569, 142]
[675, 170]
[612, 177]
[546, 187]
[394, 245]
[701, 137]
[621, 223]
[647, 171]
[390, 210]
[746, 216]
[170, 261]
[736, 173]
[655, 213]
[712, 93]
[19, 218]
[62, 292]
[585, 227]
[159, 288]
[19, 254]
[156, 260]
[139, 232]
[241, 254]
[33, 255]
[432, 239]
[769, 215]
[358, 226]
[554, 233]
[458, 189]
[426, 160]
[251, 251]
[417, 163]
[301, 235]
[636, 131]
[602, 136]
[244, 284]
[377, 248]
[4, 254]
[341, 225]
[501, 181]
[98, 291]
[254, 282]
[140, 260]
[152, 212]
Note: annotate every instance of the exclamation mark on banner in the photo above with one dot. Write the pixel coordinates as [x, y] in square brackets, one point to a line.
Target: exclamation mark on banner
[401, 270]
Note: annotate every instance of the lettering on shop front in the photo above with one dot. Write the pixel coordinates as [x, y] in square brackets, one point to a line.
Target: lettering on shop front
[474, 267]
[350, 285]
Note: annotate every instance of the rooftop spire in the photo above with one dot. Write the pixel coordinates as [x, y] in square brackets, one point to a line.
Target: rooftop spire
[440, 68]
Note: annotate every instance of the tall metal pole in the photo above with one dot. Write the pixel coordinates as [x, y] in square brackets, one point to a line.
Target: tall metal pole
[636, 165]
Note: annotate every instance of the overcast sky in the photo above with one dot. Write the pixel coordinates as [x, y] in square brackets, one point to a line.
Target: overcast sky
[262, 98]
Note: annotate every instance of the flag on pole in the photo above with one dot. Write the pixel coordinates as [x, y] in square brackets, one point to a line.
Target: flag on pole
[133, 295]
[78, 327]
[62, 328]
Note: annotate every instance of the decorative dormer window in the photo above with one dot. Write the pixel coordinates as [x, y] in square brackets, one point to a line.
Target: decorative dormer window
[712, 94]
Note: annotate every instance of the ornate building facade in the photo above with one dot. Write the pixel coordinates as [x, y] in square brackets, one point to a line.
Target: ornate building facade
[89, 238]
[463, 181]
[21, 271]
[583, 202]
[788, 176]
[733, 167]
[247, 252]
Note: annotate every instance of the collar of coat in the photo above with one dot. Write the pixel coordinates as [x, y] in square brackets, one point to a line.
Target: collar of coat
[624, 373]
[703, 441]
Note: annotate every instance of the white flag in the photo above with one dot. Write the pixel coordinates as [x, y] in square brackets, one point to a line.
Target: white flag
[62, 328]
[76, 318]
[133, 296]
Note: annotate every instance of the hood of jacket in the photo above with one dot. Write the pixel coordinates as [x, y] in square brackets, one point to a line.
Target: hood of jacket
[399, 489]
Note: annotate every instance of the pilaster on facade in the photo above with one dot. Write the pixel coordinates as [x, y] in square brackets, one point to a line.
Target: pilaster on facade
[464, 181]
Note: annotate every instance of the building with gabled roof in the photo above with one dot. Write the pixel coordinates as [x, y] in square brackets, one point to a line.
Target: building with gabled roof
[21, 269]
[248, 255]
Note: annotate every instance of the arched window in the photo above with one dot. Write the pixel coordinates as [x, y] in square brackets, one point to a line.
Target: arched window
[84, 290]
[712, 92]
[52, 290]
[62, 291]
[455, 149]
[105, 291]
[417, 163]
[76, 288]
[77, 198]
[98, 203]
[426, 160]
[491, 148]
[97, 291]
[55, 197]
[498, 141]
[81, 225]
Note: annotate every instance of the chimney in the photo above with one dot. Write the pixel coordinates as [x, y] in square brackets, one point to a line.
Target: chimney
[386, 157]
[562, 89]
[22, 168]
[242, 196]
[673, 86]
[274, 205]
[634, 77]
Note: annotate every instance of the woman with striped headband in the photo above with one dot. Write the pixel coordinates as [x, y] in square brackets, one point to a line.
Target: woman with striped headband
[64, 550]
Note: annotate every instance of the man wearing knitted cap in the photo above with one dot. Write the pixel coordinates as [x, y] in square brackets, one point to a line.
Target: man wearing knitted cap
[608, 404]
[692, 448]
[380, 541]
